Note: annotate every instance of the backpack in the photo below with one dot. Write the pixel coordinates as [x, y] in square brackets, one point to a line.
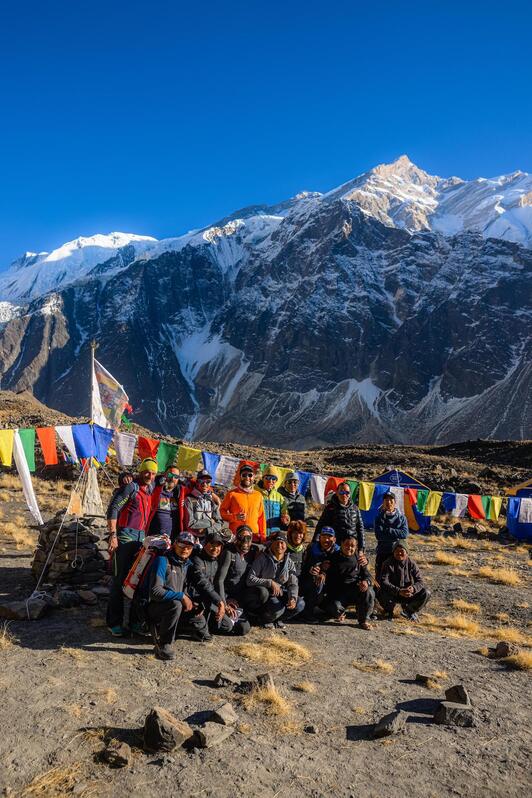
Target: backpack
[153, 546]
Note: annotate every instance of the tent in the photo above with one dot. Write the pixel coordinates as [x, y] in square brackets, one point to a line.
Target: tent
[519, 512]
[417, 522]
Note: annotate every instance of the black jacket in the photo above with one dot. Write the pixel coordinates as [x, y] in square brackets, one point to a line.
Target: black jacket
[396, 574]
[343, 519]
[344, 574]
[170, 578]
[232, 570]
[205, 569]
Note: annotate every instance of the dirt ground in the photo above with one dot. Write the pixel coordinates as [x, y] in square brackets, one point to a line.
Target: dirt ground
[66, 686]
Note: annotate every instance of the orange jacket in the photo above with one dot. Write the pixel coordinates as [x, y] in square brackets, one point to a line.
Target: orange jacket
[240, 501]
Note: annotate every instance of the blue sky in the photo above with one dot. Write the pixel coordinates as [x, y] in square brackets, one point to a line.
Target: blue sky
[164, 116]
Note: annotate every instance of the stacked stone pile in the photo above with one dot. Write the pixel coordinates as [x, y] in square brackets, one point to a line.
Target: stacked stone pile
[77, 557]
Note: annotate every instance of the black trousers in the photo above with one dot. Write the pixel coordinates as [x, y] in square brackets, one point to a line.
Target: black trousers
[363, 601]
[388, 600]
[268, 608]
[167, 616]
[226, 626]
[123, 559]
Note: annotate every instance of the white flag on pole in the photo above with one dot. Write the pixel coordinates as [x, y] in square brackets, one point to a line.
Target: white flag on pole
[108, 398]
[124, 443]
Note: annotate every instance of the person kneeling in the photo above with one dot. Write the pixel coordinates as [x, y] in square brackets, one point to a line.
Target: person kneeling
[272, 585]
[170, 607]
[348, 582]
[401, 583]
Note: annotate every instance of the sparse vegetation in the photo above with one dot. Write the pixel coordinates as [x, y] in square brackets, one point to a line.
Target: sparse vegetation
[275, 650]
[521, 661]
[378, 665]
[499, 576]
[465, 606]
[269, 699]
[305, 687]
[7, 638]
[54, 783]
[444, 558]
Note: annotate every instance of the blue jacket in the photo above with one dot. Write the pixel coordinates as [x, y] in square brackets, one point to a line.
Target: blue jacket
[388, 529]
[170, 578]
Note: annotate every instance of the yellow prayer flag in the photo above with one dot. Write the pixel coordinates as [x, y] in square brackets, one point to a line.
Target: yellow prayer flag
[7, 436]
[495, 507]
[433, 503]
[365, 494]
[188, 459]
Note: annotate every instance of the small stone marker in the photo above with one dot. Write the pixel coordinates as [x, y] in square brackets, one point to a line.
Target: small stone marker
[451, 714]
[117, 754]
[164, 732]
[213, 734]
[457, 695]
[226, 680]
[393, 723]
[225, 715]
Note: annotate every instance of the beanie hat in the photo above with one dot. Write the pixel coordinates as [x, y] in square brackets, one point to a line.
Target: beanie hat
[270, 471]
[148, 464]
[400, 544]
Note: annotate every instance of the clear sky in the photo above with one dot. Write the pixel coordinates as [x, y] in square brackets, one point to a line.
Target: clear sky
[158, 117]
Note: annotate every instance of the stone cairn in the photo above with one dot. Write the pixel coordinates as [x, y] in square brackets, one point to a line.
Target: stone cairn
[77, 559]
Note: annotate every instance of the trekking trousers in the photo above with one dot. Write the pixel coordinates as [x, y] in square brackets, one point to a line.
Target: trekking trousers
[168, 617]
[388, 600]
[363, 601]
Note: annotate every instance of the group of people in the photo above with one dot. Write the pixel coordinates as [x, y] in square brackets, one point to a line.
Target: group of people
[225, 565]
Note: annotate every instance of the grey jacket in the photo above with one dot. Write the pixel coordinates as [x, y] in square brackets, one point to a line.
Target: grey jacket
[266, 569]
[202, 514]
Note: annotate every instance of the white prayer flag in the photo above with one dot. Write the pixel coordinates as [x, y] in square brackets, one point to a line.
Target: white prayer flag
[108, 398]
[317, 488]
[225, 473]
[525, 511]
[65, 433]
[25, 477]
[399, 494]
[124, 443]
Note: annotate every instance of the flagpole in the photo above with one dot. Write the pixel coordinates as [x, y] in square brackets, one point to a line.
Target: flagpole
[94, 346]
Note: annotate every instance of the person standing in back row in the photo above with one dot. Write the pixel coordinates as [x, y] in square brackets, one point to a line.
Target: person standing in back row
[342, 514]
[390, 525]
[275, 507]
[294, 500]
[244, 505]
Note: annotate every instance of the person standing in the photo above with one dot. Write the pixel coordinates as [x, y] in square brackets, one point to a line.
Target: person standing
[201, 510]
[342, 514]
[390, 525]
[244, 505]
[275, 506]
[295, 503]
[128, 514]
[166, 505]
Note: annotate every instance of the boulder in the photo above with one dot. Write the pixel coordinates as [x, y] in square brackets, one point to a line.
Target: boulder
[451, 714]
[226, 680]
[310, 729]
[504, 649]
[30, 610]
[225, 715]
[458, 528]
[213, 734]
[393, 723]
[457, 695]
[117, 754]
[164, 732]
[265, 680]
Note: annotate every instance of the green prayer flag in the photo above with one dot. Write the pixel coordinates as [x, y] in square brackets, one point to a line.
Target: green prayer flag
[27, 439]
[353, 487]
[486, 502]
[422, 498]
[166, 454]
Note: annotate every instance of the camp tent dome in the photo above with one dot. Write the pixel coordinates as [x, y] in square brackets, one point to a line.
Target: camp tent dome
[397, 479]
[519, 512]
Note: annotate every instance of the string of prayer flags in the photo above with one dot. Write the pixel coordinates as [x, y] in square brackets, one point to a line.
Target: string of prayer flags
[27, 440]
[226, 471]
[332, 484]
[422, 498]
[65, 433]
[147, 447]
[6, 446]
[46, 436]
[210, 462]
[304, 480]
[124, 443]
[365, 494]
[399, 497]
[495, 508]
[353, 487]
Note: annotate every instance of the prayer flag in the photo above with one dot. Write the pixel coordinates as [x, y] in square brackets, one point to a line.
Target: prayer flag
[124, 443]
[353, 487]
[317, 488]
[365, 494]
[25, 477]
[102, 440]
[525, 511]
[108, 398]
[399, 497]
[83, 441]
[226, 471]
[332, 484]
[27, 439]
[6, 446]
[147, 447]
[304, 480]
[166, 454]
[46, 436]
[210, 463]
[475, 506]
[412, 495]
[433, 503]
[495, 507]
[189, 459]
[422, 498]
[65, 433]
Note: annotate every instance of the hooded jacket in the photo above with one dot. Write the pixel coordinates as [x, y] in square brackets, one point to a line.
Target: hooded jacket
[295, 503]
[266, 569]
[388, 529]
[344, 574]
[238, 501]
[274, 507]
[315, 555]
[344, 519]
[170, 578]
[201, 513]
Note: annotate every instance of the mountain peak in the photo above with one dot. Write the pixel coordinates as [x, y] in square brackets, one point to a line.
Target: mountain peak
[404, 169]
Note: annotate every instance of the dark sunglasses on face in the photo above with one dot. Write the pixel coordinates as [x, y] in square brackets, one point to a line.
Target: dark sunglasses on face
[293, 481]
[343, 492]
[172, 476]
[271, 479]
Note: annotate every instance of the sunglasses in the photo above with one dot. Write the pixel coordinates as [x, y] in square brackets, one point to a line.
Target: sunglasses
[172, 476]
[343, 493]
[295, 481]
[270, 479]
[205, 481]
[244, 537]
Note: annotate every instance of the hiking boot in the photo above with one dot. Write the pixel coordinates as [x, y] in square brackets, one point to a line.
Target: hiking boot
[365, 625]
[165, 651]
[269, 625]
[201, 637]
[140, 629]
[116, 631]
[413, 617]
[280, 624]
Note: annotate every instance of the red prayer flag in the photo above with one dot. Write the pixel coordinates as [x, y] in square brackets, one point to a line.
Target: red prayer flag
[332, 484]
[147, 447]
[412, 495]
[475, 507]
[46, 436]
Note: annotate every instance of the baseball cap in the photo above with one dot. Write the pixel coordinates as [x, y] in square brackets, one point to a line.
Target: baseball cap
[186, 537]
[277, 536]
[203, 474]
[246, 467]
[214, 537]
[328, 530]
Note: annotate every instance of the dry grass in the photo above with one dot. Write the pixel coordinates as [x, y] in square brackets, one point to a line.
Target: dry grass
[54, 783]
[77, 654]
[10, 481]
[508, 633]
[110, 695]
[502, 617]
[458, 572]
[275, 650]
[523, 605]
[521, 661]
[290, 726]
[377, 666]
[499, 576]
[4, 496]
[305, 687]
[440, 675]
[483, 651]
[269, 699]
[7, 638]
[243, 728]
[465, 606]
[463, 543]
[444, 558]
[459, 623]
[75, 710]
[359, 710]
[404, 630]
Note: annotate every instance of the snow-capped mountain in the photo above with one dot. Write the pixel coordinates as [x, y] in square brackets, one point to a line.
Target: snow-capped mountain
[327, 318]
[35, 274]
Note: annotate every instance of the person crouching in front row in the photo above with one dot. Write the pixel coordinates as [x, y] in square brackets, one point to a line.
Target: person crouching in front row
[348, 582]
[401, 583]
[272, 585]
